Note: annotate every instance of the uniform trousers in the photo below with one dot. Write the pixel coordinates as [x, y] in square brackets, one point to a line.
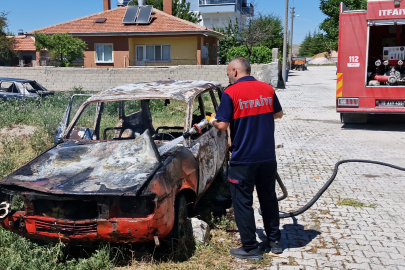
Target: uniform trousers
[242, 180]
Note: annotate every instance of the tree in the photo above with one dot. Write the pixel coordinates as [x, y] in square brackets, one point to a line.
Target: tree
[181, 9]
[231, 40]
[331, 24]
[305, 46]
[7, 52]
[64, 47]
[259, 30]
[314, 44]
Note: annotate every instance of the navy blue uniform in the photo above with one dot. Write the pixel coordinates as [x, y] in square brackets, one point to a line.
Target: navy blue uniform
[249, 105]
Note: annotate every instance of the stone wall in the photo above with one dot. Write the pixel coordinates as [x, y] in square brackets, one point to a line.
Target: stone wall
[92, 79]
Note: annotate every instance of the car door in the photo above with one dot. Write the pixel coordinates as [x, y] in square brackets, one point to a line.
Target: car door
[205, 146]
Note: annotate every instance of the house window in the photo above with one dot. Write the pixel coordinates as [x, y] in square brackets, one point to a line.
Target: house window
[104, 53]
[152, 53]
[214, 52]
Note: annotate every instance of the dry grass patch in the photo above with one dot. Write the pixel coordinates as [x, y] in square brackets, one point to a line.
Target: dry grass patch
[354, 202]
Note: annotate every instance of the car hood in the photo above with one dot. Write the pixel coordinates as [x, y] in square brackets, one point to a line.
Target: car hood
[100, 168]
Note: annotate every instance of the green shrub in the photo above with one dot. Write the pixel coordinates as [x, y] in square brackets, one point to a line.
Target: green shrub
[260, 54]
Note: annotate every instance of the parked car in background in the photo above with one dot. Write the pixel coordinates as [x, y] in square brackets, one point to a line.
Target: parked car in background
[106, 178]
[12, 88]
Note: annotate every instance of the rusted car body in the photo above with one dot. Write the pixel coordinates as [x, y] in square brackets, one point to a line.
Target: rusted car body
[102, 183]
[11, 88]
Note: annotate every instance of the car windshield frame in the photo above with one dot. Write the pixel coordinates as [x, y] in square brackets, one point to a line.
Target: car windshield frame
[82, 108]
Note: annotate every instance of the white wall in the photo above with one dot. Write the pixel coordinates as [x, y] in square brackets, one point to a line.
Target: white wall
[212, 20]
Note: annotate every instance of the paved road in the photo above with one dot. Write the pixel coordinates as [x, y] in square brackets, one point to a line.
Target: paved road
[311, 140]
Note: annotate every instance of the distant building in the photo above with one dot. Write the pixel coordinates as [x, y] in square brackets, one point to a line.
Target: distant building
[218, 13]
[123, 37]
[27, 54]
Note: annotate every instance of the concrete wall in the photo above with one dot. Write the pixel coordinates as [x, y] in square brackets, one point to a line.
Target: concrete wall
[95, 79]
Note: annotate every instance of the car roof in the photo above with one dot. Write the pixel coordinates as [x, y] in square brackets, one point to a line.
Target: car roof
[15, 80]
[174, 89]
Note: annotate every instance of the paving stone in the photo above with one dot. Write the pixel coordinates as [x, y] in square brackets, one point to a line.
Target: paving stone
[353, 266]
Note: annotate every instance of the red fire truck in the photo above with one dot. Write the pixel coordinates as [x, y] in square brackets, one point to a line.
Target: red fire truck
[371, 62]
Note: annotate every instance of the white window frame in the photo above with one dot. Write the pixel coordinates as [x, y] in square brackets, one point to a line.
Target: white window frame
[154, 51]
[112, 52]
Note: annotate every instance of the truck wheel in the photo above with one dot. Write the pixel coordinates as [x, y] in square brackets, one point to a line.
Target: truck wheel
[353, 118]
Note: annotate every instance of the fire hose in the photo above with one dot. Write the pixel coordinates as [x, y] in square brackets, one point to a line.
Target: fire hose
[325, 186]
[198, 127]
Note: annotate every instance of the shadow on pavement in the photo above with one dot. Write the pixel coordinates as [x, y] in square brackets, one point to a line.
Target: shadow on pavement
[380, 122]
[292, 236]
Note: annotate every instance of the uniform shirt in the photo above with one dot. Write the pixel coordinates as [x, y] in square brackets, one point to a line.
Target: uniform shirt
[249, 105]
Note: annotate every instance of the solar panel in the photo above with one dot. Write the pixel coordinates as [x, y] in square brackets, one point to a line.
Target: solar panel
[144, 15]
[130, 14]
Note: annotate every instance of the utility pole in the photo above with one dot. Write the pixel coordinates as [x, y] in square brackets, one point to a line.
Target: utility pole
[284, 66]
[291, 34]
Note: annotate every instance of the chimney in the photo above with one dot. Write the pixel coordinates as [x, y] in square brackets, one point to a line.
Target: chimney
[168, 6]
[20, 32]
[106, 5]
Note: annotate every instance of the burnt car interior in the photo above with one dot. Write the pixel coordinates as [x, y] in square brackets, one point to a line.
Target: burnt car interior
[127, 119]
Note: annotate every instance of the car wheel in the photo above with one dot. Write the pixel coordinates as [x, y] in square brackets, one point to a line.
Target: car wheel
[180, 218]
[222, 175]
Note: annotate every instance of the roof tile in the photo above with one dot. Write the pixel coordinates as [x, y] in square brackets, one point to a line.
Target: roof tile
[161, 22]
[24, 43]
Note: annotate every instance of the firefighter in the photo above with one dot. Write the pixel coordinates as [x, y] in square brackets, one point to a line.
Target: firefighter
[249, 107]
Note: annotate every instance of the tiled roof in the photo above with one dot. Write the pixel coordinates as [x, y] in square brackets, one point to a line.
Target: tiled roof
[24, 43]
[161, 23]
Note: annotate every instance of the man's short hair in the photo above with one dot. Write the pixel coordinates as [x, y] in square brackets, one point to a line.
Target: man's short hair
[244, 63]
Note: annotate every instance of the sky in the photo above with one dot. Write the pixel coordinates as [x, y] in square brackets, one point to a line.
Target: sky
[30, 15]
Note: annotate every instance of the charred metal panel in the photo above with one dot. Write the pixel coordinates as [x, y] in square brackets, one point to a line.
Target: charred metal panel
[114, 167]
[181, 90]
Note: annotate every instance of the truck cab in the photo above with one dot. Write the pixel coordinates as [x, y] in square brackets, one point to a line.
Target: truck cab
[371, 71]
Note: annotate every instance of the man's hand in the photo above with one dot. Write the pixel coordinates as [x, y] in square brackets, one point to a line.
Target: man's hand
[211, 119]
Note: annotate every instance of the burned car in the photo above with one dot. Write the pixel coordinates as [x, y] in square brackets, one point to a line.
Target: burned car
[11, 88]
[127, 167]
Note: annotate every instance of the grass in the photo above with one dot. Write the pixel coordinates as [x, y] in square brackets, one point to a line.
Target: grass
[354, 203]
[17, 252]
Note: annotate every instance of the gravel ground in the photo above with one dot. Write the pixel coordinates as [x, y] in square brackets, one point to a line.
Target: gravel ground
[311, 139]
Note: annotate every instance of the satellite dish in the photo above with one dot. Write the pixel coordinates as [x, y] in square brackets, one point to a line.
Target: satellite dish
[120, 2]
[204, 52]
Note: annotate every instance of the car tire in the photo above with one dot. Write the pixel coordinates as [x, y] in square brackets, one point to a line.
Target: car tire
[180, 217]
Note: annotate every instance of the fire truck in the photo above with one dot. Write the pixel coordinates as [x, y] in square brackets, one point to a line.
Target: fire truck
[371, 61]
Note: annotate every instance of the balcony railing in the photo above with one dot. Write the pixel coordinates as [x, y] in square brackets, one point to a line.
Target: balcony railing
[216, 2]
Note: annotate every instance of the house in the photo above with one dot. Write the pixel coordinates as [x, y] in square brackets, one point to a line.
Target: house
[27, 54]
[140, 36]
[218, 13]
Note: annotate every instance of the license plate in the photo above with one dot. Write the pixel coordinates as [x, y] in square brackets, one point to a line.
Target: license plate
[390, 103]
